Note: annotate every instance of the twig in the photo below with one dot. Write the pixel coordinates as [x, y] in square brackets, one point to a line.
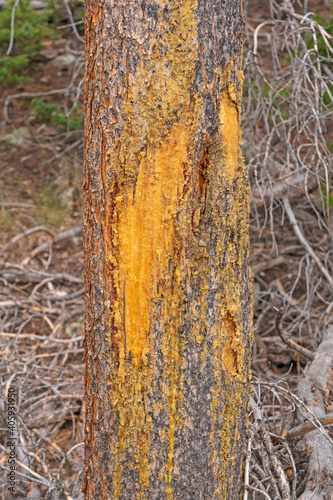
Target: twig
[69, 452]
[262, 492]
[292, 183]
[24, 234]
[70, 233]
[41, 478]
[255, 35]
[52, 298]
[300, 403]
[294, 482]
[74, 448]
[57, 397]
[28, 94]
[12, 27]
[290, 343]
[247, 469]
[304, 242]
[15, 204]
[69, 25]
[277, 468]
[27, 275]
[66, 150]
[73, 24]
[39, 337]
[62, 298]
[262, 266]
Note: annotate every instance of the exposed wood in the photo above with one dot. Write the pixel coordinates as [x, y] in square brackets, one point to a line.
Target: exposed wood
[168, 300]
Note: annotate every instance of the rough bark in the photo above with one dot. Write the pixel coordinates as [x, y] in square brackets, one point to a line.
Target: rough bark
[168, 300]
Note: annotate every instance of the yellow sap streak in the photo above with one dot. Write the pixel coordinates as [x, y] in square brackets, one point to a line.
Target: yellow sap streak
[157, 94]
[157, 142]
[229, 117]
[146, 229]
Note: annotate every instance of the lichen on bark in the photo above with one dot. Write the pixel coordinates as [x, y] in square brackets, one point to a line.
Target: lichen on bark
[168, 300]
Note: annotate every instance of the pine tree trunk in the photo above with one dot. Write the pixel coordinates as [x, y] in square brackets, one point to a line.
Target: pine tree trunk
[168, 300]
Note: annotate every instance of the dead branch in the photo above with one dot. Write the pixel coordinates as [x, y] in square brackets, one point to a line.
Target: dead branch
[25, 233]
[28, 94]
[290, 343]
[263, 266]
[59, 296]
[307, 427]
[33, 275]
[292, 184]
[304, 242]
[32, 336]
[70, 233]
[275, 464]
[319, 483]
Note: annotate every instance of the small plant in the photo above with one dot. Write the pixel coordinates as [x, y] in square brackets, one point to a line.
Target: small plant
[327, 195]
[30, 29]
[12, 70]
[43, 110]
[321, 43]
[323, 52]
[51, 115]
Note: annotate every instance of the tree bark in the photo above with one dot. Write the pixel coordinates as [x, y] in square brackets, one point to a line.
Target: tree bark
[168, 296]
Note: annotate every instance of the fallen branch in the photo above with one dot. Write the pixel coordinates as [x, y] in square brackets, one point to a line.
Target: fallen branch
[33, 275]
[40, 298]
[293, 185]
[303, 429]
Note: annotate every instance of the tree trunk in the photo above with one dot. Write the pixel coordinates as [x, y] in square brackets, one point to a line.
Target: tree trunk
[168, 300]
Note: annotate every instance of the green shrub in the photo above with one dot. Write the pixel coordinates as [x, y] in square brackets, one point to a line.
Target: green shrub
[12, 70]
[30, 29]
[323, 52]
[51, 115]
[43, 110]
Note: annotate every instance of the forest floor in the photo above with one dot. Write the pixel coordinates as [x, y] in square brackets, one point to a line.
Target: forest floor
[41, 280]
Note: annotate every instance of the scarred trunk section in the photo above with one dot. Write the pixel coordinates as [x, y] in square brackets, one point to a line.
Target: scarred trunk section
[168, 302]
